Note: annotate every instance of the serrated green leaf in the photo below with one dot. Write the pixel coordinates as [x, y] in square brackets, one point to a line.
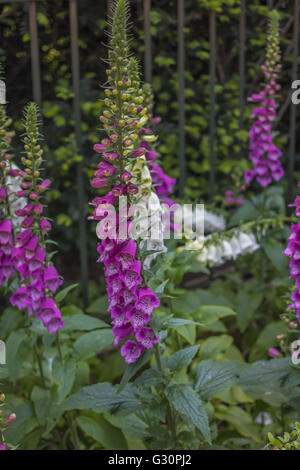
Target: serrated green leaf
[211, 377]
[102, 398]
[187, 402]
[182, 358]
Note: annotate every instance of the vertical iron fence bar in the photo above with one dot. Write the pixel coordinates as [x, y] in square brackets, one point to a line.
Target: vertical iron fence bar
[35, 56]
[242, 45]
[181, 96]
[109, 8]
[147, 32]
[212, 120]
[293, 107]
[77, 116]
[109, 11]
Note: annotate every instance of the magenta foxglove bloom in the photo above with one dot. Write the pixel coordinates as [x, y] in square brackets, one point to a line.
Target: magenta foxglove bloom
[3, 194]
[45, 225]
[5, 231]
[132, 188]
[48, 312]
[105, 170]
[121, 332]
[20, 298]
[146, 337]
[99, 183]
[126, 254]
[51, 279]
[30, 247]
[147, 300]
[44, 185]
[37, 261]
[131, 351]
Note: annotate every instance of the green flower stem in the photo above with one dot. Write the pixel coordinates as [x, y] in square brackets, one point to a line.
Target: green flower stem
[73, 430]
[59, 348]
[40, 365]
[170, 414]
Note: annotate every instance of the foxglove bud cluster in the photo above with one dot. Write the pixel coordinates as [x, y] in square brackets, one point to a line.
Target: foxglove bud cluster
[263, 153]
[123, 171]
[39, 279]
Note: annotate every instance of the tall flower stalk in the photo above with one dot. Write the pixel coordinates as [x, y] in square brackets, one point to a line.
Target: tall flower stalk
[263, 153]
[8, 177]
[293, 252]
[38, 277]
[123, 171]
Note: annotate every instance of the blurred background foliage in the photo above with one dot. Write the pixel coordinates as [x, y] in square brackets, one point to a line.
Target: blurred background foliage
[55, 55]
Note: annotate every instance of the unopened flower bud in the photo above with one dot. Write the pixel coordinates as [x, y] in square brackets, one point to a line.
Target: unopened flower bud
[10, 419]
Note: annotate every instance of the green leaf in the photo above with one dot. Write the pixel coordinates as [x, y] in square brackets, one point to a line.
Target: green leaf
[160, 289]
[211, 377]
[13, 358]
[266, 372]
[3, 371]
[174, 322]
[187, 402]
[10, 320]
[91, 343]
[131, 425]
[150, 377]
[42, 403]
[132, 369]
[102, 398]
[24, 423]
[99, 306]
[247, 304]
[81, 322]
[240, 420]
[267, 339]
[245, 213]
[274, 251]
[188, 332]
[63, 376]
[215, 347]
[64, 292]
[103, 432]
[207, 314]
[182, 358]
